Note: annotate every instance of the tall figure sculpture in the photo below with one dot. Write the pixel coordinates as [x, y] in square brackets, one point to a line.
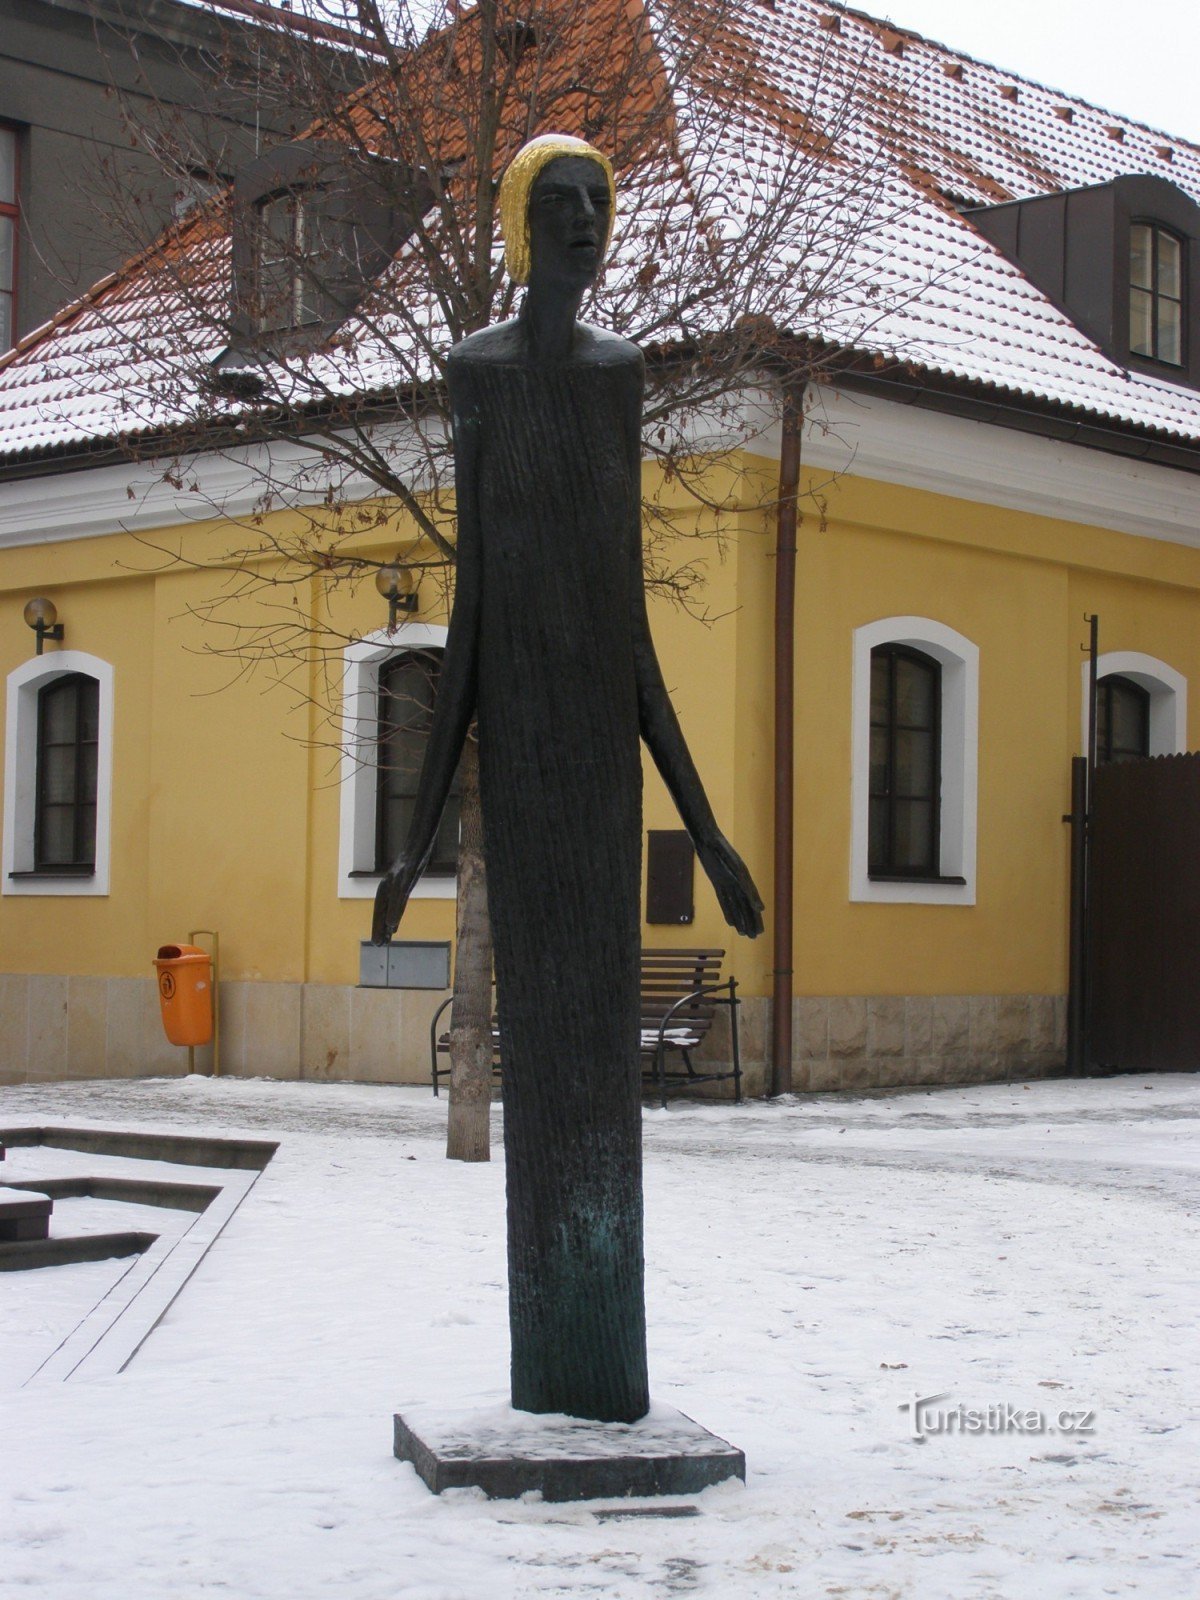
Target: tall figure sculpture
[549, 645]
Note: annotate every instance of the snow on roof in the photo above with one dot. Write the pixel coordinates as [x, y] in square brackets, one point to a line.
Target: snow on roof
[912, 279]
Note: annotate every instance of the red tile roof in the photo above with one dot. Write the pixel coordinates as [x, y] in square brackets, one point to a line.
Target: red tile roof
[936, 130]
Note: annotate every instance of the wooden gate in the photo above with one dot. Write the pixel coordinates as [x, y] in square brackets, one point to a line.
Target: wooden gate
[1143, 915]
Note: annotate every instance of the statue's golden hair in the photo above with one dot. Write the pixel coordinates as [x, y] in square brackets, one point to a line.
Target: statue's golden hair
[518, 181]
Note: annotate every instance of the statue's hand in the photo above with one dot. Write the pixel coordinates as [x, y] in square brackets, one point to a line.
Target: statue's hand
[741, 903]
[391, 897]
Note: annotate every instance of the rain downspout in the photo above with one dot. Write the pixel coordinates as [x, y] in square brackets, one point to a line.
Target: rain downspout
[785, 696]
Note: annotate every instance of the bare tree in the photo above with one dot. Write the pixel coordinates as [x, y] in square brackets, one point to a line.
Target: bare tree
[307, 306]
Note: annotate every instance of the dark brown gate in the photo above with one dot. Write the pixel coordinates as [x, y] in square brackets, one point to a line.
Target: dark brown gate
[1144, 915]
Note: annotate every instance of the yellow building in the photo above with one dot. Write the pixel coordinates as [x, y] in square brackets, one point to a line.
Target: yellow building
[961, 513]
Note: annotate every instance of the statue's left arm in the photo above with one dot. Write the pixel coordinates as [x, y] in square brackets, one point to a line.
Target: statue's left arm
[740, 901]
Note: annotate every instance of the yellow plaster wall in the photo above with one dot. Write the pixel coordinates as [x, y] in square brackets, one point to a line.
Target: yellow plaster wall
[226, 796]
[1017, 586]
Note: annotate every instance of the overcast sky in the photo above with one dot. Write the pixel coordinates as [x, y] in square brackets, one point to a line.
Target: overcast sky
[1141, 60]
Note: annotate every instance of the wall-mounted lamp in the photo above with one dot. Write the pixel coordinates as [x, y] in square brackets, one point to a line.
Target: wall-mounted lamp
[42, 616]
[395, 583]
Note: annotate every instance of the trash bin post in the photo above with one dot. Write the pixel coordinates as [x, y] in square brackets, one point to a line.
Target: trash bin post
[211, 933]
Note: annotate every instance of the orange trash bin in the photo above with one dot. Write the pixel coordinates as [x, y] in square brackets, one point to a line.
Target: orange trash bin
[185, 993]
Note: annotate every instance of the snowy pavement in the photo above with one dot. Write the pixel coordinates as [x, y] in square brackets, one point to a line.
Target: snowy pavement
[1020, 1251]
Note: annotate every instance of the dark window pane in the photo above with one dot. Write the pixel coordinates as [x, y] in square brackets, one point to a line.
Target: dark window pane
[1141, 322]
[1141, 255]
[880, 681]
[1170, 332]
[89, 709]
[879, 760]
[914, 764]
[1122, 720]
[58, 711]
[8, 167]
[7, 254]
[877, 851]
[914, 693]
[88, 758]
[87, 834]
[58, 774]
[58, 836]
[912, 848]
[1126, 720]
[1170, 266]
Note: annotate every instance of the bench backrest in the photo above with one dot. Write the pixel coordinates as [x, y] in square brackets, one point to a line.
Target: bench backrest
[667, 975]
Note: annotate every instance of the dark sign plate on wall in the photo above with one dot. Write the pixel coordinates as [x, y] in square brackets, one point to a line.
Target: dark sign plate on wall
[670, 875]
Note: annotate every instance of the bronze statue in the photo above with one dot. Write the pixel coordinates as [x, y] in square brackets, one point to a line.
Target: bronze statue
[549, 646]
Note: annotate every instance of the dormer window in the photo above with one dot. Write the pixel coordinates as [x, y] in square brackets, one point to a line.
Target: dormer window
[293, 257]
[1122, 259]
[1155, 294]
[314, 225]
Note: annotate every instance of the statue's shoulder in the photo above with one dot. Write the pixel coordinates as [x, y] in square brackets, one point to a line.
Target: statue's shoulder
[602, 345]
[499, 343]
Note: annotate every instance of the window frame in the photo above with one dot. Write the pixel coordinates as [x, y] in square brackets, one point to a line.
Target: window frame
[1141, 697]
[383, 857]
[357, 872]
[82, 862]
[18, 873]
[306, 301]
[12, 211]
[1166, 686]
[958, 656]
[1159, 229]
[894, 652]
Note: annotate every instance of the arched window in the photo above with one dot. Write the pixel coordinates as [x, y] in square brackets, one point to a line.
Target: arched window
[1156, 298]
[905, 786]
[1153, 726]
[58, 764]
[407, 684]
[68, 743]
[1122, 719]
[387, 695]
[914, 763]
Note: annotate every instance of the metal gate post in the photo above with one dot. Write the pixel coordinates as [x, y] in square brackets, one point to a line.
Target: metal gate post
[1077, 969]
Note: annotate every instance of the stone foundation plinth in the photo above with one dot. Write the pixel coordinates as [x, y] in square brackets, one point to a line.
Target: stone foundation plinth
[507, 1453]
[68, 1027]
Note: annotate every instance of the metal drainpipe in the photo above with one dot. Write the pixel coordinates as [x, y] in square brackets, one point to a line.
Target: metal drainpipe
[785, 669]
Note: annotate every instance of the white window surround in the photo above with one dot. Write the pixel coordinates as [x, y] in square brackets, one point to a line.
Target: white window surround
[959, 660]
[360, 713]
[20, 773]
[1168, 697]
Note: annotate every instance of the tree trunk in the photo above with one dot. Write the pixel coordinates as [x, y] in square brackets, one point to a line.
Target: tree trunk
[468, 1131]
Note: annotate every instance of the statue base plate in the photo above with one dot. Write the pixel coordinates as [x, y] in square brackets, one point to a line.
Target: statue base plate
[507, 1453]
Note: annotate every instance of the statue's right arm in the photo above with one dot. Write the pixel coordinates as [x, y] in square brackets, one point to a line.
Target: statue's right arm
[454, 702]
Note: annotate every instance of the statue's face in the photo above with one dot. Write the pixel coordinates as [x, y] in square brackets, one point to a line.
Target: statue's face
[569, 214]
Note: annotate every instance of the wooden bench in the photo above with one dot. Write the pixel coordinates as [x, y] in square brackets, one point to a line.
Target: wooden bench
[680, 993]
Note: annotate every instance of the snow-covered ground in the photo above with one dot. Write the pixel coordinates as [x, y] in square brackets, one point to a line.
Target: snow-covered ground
[810, 1267]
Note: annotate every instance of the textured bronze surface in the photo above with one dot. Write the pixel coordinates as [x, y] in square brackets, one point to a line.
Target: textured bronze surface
[549, 646]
